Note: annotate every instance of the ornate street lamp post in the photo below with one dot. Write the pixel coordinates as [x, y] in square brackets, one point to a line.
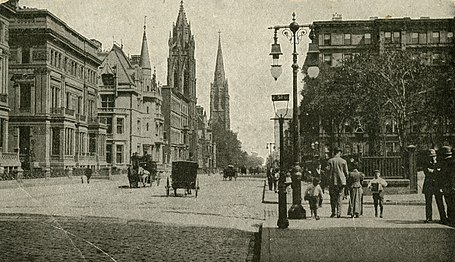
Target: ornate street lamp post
[283, 221]
[294, 32]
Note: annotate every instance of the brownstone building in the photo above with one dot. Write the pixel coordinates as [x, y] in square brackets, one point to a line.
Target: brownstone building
[334, 40]
[9, 158]
[53, 94]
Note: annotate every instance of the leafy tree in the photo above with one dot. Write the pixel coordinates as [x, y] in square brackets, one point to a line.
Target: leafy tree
[396, 85]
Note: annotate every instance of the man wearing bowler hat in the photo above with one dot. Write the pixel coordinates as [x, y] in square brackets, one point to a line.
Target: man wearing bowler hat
[337, 173]
[432, 186]
[448, 182]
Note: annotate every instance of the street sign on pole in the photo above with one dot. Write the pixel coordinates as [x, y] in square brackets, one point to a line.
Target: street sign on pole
[280, 97]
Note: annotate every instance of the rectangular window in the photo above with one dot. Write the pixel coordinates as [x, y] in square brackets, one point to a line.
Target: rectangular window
[119, 154]
[25, 55]
[414, 38]
[92, 143]
[79, 104]
[328, 59]
[109, 154]
[109, 125]
[55, 141]
[107, 101]
[367, 38]
[139, 126]
[435, 37]
[449, 37]
[25, 96]
[120, 124]
[327, 39]
[422, 38]
[68, 100]
[388, 37]
[397, 37]
[347, 39]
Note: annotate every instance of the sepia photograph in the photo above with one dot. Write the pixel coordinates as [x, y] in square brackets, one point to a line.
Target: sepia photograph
[227, 130]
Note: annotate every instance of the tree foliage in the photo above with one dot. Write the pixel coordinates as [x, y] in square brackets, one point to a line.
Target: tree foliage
[229, 150]
[370, 89]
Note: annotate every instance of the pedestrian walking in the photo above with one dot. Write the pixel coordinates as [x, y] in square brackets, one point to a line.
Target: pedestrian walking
[432, 186]
[276, 176]
[354, 183]
[88, 174]
[337, 172]
[270, 178]
[377, 186]
[313, 194]
[448, 182]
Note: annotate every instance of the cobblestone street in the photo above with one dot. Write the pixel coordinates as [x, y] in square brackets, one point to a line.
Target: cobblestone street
[43, 238]
[102, 221]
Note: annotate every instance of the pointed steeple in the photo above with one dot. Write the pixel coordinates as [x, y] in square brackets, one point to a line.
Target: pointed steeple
[181, 18]
[219, 67]
[145, 59]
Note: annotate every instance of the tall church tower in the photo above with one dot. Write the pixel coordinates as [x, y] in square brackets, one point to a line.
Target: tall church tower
[181, 78]
[219, 94]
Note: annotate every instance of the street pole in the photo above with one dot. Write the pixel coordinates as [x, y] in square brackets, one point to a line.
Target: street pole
[293, 32]
[283, 221]
[296, 211]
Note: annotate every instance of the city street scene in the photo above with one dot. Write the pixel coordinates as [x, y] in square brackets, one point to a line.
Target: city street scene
[227, 130]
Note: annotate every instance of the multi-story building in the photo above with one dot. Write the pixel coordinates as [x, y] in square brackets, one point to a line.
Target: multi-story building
[131, 105]
[179, 96]
[53, 94]
[8, 159]
[206, 157]
[334, 40]
[219, 94]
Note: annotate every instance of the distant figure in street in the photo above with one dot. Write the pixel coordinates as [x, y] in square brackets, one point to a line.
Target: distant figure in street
[276, 176]
[354, 183]
[88, 174]
[377, 186]
[337, 173]
[432, 186]
[270, 178]
[313, 195]
[448, 183]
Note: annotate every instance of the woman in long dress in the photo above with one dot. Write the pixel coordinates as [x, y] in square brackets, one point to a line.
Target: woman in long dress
[355, 180]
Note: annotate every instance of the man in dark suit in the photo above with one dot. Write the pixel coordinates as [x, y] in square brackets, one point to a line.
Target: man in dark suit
[337, 173]
[448, 182]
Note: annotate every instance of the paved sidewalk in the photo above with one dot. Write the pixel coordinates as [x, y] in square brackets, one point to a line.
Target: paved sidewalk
[400, 236]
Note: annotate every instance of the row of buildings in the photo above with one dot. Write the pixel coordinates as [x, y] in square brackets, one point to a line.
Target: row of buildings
[66, 103]
[338, 39]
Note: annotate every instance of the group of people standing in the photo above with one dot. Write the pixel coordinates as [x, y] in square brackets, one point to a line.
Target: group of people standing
[440, 182]
[341, 182]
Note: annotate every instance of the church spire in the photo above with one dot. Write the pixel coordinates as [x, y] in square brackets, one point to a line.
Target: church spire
[181, 18]
[145, 59]
[219, 67]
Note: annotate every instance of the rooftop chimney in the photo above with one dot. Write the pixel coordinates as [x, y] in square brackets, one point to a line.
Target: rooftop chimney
[337, 17]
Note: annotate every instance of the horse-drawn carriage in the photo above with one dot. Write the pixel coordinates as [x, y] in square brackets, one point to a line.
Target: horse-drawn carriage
[183, 175]
[144, 170]
[229, 172]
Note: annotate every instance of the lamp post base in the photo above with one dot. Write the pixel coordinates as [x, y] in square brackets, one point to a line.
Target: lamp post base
[282, 223]
[297, 212]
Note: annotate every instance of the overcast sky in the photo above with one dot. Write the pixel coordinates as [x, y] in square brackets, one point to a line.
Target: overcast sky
[245, 41]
